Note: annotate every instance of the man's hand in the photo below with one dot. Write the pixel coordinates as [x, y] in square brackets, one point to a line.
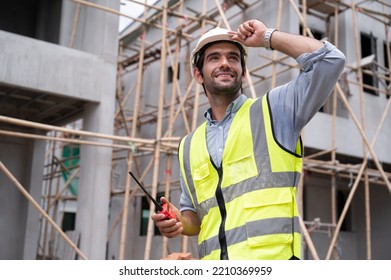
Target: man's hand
[251, 33]
[169, 228]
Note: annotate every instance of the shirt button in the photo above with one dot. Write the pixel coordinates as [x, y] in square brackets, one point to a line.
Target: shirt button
[220, 127]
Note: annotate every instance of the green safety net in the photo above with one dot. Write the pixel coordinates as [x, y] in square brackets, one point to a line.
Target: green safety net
[71, 158]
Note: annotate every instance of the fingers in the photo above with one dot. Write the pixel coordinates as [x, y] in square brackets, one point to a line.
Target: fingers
[171, 208]
[250, 33]
[169, 228]
[164, 200]
[244, 31]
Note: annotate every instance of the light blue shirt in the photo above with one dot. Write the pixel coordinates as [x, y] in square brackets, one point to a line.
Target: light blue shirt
[292, 105]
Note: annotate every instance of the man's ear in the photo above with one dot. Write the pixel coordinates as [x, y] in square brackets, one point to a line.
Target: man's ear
[244, 75]
[198, 76]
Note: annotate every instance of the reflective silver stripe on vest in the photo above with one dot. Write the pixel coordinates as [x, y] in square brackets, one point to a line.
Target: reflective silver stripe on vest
[187, 168]
[276, 180]
[251, 229]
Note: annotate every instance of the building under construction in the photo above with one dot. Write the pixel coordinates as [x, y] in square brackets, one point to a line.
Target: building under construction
[82, 104]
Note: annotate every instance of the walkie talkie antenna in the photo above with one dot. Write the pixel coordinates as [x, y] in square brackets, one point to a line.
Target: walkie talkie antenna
[157, 204]
[161, 209]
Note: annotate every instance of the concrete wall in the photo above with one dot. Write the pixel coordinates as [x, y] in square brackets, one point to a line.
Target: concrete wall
[318, 133]
[35, 190]
[97, 34]
[16, 157]
[47, 67]
[352, 243]
[87, 73]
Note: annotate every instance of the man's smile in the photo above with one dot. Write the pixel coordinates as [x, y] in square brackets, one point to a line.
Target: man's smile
[225, 75]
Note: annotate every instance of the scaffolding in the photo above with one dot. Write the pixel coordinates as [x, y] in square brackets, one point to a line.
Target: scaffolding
[164, 116]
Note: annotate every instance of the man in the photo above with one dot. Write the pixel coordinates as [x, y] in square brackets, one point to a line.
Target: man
[241, 168]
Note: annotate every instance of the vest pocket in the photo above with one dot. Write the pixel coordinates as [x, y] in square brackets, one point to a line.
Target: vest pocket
[205, 182]
[268, 216]
[201, 172]
[240, 169]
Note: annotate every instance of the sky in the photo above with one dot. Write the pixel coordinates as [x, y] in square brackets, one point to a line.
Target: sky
[131, 9]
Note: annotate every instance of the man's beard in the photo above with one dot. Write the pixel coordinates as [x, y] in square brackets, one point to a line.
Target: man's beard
[217, 88]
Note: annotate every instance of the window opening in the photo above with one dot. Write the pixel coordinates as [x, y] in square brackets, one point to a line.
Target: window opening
[146, 214]
[368, 48]
[170, 73]
[68, 221]
[342, 197]
[387, 68]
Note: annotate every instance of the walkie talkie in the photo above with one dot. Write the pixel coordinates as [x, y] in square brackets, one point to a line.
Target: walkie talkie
[160, 208]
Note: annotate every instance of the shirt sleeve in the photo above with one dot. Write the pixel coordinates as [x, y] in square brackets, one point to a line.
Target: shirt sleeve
[295, 103]
[185, 201]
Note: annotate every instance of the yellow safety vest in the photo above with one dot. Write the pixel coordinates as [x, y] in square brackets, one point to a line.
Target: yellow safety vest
[247, 208]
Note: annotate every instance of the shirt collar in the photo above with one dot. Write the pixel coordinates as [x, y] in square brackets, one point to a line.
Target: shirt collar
[231, 109]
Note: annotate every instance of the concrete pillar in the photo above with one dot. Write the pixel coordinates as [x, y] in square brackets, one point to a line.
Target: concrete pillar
[94, 185]
[15, 156]
[97, 34]
[33, 216]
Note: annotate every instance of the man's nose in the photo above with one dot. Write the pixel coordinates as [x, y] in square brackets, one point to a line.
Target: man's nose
[224, 62]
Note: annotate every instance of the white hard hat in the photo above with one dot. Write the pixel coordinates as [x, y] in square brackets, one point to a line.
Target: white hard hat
[213, 35]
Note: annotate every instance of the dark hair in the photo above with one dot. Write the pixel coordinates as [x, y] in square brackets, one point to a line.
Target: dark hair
[201, 55]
